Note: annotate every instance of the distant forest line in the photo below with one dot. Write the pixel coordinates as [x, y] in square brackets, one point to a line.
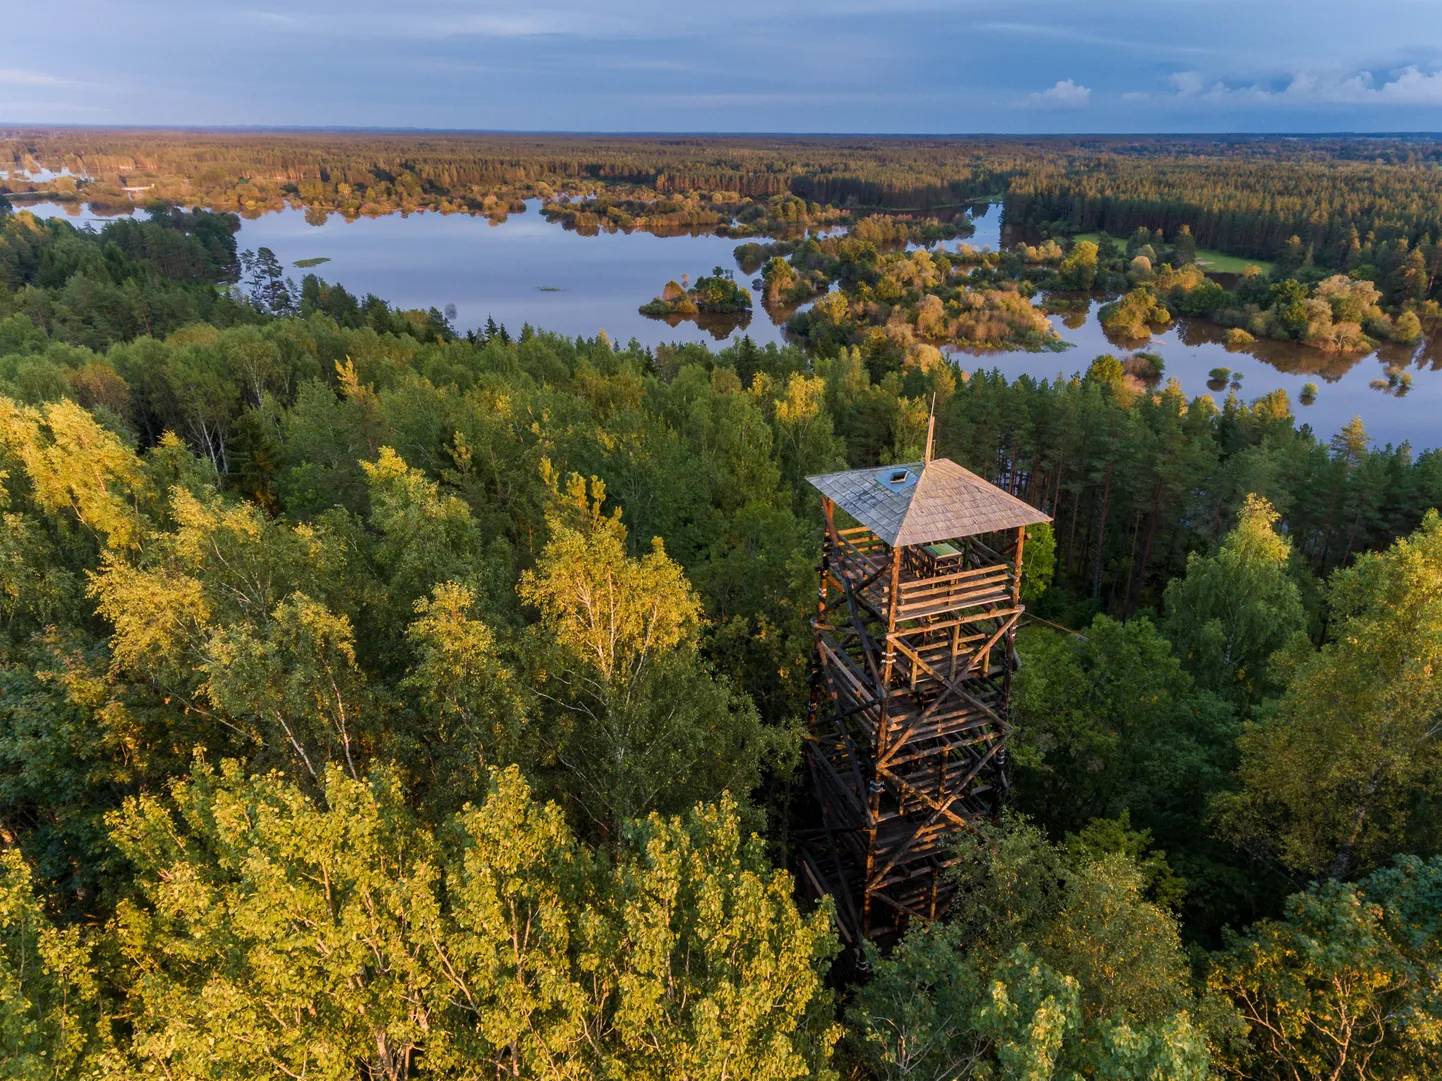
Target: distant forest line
[1239, 194]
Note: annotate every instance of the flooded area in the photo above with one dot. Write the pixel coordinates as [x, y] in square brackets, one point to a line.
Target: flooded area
[1192, 349]
[528, 270]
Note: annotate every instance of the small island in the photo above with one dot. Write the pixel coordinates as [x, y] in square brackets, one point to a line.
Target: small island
[715, 294]
[715, 302]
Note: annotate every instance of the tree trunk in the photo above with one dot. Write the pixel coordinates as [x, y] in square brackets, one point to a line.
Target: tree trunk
[1131, 568]
[1140, 572]
[1102, 533]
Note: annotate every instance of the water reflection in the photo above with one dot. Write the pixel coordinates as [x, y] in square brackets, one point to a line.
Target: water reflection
[77, 214]
[39, 175]
[720, 325]
[527, 270]
[1192, 349]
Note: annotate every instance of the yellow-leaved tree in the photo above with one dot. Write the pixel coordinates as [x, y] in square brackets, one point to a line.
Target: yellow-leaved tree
[635, 719]
[276, 934]
[1340, 774]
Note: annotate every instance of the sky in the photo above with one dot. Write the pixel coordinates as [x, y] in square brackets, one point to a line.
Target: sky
[908, 66]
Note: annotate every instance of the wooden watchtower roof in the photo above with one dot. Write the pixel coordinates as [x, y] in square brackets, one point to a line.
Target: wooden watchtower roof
[920, 503]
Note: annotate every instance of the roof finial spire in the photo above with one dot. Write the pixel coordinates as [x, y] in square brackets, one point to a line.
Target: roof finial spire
[930, 432]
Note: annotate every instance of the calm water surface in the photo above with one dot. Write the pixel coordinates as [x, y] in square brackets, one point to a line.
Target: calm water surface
[1193, 348]
[527, 270]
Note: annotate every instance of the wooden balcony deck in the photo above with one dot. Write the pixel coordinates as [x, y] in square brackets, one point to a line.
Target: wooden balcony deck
[984, 581]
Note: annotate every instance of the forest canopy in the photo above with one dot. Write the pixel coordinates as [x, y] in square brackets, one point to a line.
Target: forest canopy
[380, 699]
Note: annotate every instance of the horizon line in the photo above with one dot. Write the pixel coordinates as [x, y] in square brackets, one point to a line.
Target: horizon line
[10, 129]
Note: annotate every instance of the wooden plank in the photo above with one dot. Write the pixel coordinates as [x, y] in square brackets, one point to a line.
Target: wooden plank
[1006, 626]
[1020, 546]
[996, 748]
[954, 604]
[898, 853]
[991, 555]
[976, 617]
[868, 647]
[943, 580]
[977, 583]
[908, 787]
[841, 788]
[989, 583]
[921, 756]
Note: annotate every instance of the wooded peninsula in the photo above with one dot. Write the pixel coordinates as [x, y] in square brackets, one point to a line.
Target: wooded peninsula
[384, 698]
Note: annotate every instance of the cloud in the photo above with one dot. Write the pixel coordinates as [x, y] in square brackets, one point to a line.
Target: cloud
[447, 22]
[1188, 83]
[20, 77]
[1074, 36]
[268, 18]
[506, 24]
[1407, 86]
[1410, 87]
[23, 110]
[1066, 94]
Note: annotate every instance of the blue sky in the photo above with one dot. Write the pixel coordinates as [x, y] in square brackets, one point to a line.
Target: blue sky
[740, 65]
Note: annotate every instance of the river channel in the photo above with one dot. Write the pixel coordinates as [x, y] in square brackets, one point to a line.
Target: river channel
[528, 270]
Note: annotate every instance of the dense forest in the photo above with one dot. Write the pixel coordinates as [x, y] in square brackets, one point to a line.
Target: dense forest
[381, 699]
[1245, 195]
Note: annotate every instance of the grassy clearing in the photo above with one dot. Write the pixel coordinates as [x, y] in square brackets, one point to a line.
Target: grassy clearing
[1207, 260]
[1230, 264]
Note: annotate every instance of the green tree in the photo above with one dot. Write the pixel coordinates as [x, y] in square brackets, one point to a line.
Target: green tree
[1342, 987]
[1079, 269]
[1339, 775]
[636, 720]
[718, 975]
[1087, 917]
[248, 621]
[51, 1023]
[1039, 562]
[1055, 966]
[1108, 722]
[1184, 247]
[274, 935]
[1232, 611]
[76, 470]
[468, 704]
[805, 441]
[928, 1013]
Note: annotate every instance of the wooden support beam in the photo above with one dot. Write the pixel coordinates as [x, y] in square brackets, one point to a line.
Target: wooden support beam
[907, 723]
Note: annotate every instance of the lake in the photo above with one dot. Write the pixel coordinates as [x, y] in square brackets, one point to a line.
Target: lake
[527, 270]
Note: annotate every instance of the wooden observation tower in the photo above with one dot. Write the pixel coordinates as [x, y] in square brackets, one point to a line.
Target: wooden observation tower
[915, 623]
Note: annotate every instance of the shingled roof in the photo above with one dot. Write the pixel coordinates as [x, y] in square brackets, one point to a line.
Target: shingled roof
[920, 503]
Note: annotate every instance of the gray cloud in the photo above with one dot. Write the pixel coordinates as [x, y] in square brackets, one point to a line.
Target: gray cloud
[21, 77]
[1408, 86]
[766, 65]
